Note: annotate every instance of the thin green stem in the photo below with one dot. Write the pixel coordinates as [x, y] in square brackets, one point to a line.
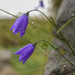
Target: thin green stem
[45, 31]
[57, 51]
[41, 13]
[49, 33]
[53, 21]
[66, 24]
[63, 37]
[8, 13]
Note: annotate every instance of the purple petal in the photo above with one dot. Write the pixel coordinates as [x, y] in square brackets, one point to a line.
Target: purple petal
[41, 4]
[22, 24]
[11, 28]
[37, 7]
[22, 49]
[22, 57]
[16, 22]
[14, 31]
[25, 59]
[18, 26]
[26, 53]
[22, 32]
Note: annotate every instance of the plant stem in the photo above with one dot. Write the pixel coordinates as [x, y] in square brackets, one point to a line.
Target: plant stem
[63, 37]
[66, 24]
[8, 13]
[57, 51]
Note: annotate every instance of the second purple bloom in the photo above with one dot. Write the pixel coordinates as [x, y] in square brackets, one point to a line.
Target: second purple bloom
[25, 52]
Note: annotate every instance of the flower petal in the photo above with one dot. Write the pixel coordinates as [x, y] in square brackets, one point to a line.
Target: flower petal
[37, 7]
[22, 57]
[41, 4]
[26, 53]
[22, 32]
[22, 50]
[16, 22]
[25, 59]
[11, 28]
[22, 24]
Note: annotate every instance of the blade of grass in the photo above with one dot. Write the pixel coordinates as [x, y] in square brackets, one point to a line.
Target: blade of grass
[63, 37]
[65, 24]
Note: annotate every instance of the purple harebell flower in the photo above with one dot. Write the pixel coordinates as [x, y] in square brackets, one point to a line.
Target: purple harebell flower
[41, 4]
[25, 52]
[20, 25]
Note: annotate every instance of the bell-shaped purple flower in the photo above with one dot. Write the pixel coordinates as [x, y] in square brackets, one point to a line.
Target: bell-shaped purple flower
[20, 25]
[25, 52]
[41, 4]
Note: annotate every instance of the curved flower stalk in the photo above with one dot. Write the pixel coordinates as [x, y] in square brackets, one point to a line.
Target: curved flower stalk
[57, 51]
[20, 25]
[41, 4]
[25, 52]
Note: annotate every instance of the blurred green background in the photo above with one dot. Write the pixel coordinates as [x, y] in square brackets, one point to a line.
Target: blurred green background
[36, 63]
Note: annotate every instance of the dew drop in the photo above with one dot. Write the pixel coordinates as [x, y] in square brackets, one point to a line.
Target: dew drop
[72, 14]
[64, 65]
[32, 22]
[37, 49]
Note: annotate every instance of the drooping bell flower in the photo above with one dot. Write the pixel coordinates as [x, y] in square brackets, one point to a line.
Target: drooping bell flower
[41, 4]
[25, 52]
[20, 25]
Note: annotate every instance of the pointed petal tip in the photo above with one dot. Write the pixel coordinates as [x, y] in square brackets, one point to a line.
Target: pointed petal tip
[20, 60]
[10, 28]
[14, 32]
[21, 35]
[23, 62]
[15, 53]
